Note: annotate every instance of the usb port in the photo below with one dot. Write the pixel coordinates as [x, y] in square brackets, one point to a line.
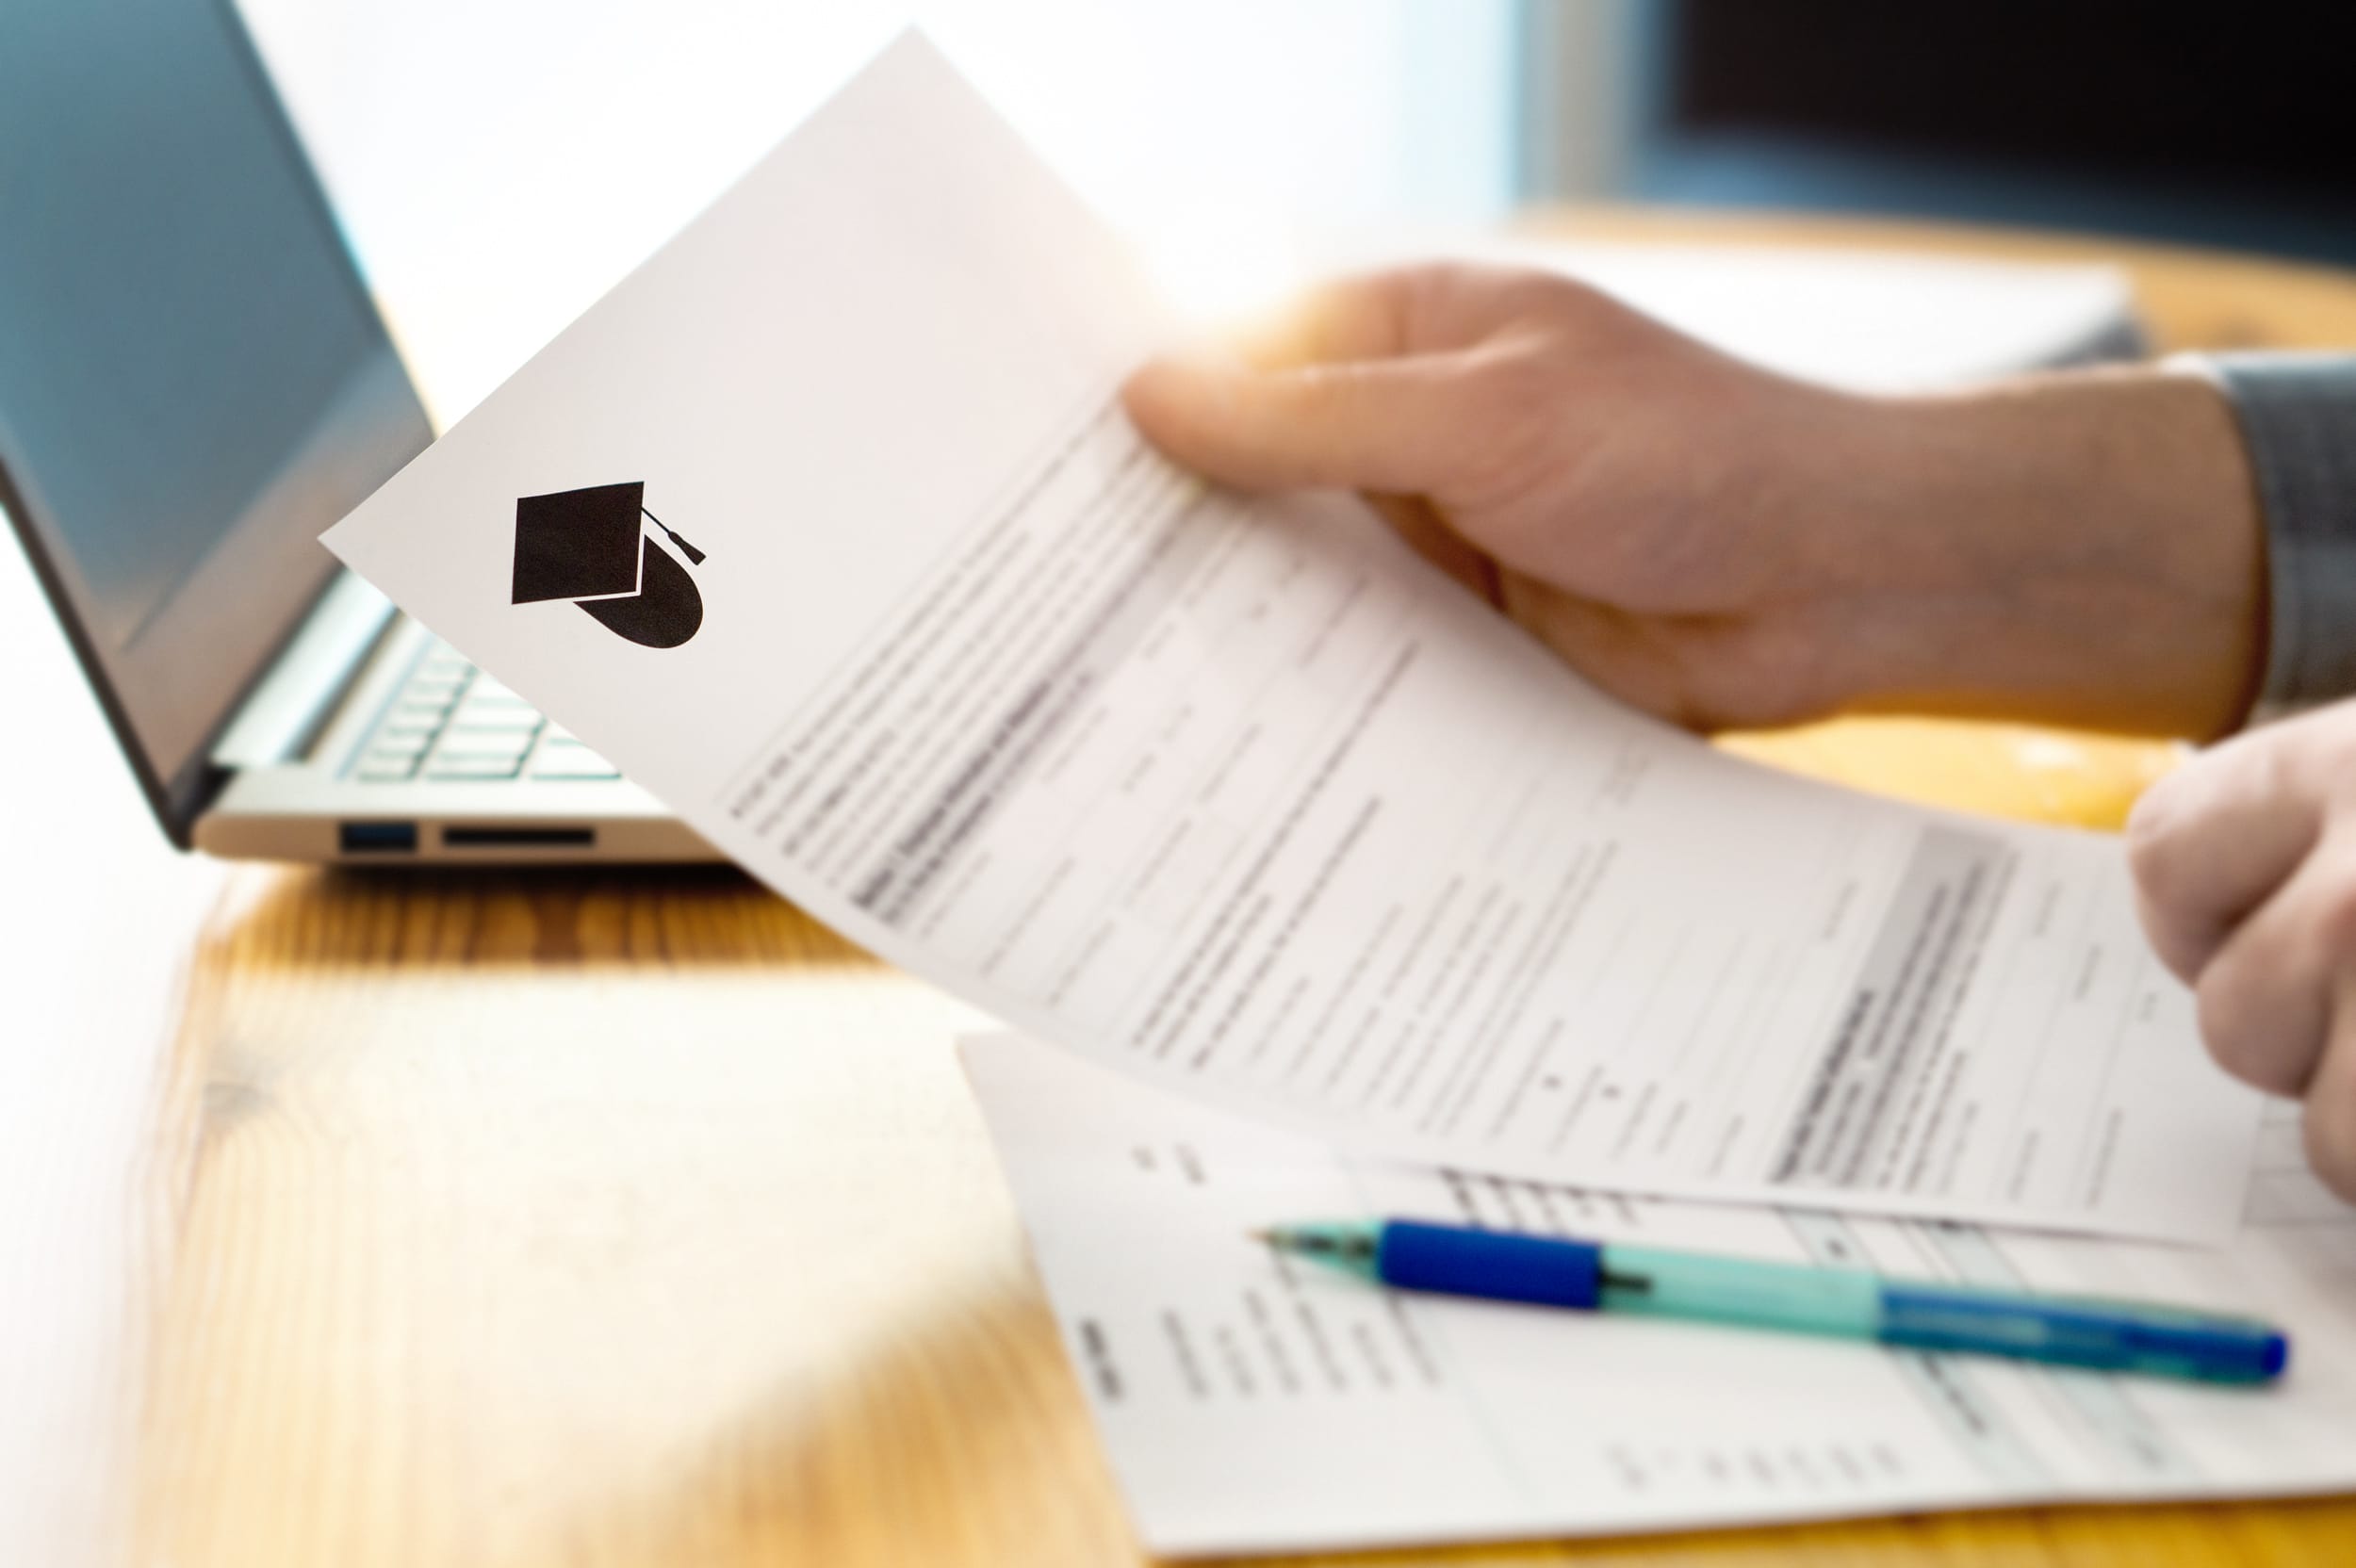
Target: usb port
[379, 838]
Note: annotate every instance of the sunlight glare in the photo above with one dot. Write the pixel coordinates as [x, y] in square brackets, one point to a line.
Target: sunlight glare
[1224, 266]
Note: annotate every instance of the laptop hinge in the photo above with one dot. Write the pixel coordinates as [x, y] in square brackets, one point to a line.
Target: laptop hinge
[293, 701]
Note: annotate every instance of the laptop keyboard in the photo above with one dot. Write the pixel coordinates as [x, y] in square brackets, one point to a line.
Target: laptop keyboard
[449, 723]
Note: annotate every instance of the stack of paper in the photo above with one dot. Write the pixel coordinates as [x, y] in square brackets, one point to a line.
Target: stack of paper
[1252, 1403]
[1238, 797]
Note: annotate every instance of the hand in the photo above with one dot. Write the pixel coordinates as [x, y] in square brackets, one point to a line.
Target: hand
[2246, 873]
[1724, 546]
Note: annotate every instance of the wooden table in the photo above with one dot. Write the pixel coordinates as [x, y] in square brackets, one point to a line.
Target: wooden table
[630, 1217]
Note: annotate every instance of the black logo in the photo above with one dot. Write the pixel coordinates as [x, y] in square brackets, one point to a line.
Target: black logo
[588, 546]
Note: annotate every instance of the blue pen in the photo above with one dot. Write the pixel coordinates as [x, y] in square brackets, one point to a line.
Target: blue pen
[2116, 1336]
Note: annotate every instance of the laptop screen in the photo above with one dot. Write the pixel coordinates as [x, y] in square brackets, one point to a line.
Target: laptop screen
[193, 380]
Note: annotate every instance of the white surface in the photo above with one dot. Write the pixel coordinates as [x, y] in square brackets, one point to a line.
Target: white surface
[1251, 1404]
[501, 163]
[1869, 321]
[1243, 796]
[94, 932]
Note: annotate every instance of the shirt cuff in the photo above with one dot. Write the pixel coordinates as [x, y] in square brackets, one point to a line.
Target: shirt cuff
[2298, 416]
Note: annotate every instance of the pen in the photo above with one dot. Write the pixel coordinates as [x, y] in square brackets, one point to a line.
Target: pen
[2119, 1336]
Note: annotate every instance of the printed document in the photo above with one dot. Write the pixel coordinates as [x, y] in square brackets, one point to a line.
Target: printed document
[827, 527]
[1254, 1403]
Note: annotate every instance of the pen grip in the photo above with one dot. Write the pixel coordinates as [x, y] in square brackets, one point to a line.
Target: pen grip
[1495, 1266]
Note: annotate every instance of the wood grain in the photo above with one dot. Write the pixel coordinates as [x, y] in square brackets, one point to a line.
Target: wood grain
[630, 1218]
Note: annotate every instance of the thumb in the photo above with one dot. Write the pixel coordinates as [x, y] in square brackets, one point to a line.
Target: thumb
[1363, 425]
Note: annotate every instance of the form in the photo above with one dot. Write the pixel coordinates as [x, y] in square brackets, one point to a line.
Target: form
[871, 581]
[1253, 1403]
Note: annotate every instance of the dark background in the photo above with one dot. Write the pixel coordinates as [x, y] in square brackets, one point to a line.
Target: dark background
[2229, 124]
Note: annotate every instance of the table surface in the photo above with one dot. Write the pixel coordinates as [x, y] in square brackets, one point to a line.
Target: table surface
[631, 1218]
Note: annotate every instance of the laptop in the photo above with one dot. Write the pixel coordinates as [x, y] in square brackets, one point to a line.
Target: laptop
[195, 384]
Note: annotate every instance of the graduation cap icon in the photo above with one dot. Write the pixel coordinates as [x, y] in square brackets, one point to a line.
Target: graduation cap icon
[591, 547]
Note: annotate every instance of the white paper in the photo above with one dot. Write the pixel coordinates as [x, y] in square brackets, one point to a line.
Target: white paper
[1253, 1404]
[1242, 796]
[1869, 321]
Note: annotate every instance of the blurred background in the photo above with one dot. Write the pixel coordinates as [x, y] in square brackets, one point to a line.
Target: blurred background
[501, 162]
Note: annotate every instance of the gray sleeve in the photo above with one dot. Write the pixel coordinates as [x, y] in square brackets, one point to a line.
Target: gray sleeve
[2298, 414]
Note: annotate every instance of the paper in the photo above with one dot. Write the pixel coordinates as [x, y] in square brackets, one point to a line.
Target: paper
[1250, 1403]
[1869, 321]
[1241, 796]
[1866, 321]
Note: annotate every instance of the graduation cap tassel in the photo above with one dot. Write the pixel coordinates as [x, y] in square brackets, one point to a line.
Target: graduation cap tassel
[694, 556]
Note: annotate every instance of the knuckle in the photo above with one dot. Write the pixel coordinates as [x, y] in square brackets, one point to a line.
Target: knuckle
[1516, 437]
[1517, 387]
[1447, 304]
[2239, 1037]
[2277, 766]
[2223, 1026]
[2268, 764]
[2315, 747]
[1464, 302]
[2155, 833]
[2329, 1131]
[1542, 292]
[2176, 941]
[2335, 915]
[2176, 827]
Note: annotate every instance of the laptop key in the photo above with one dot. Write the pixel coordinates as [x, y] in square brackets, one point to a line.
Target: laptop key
[513, 744]
[452, 723]
[495, 721]
[388, 767]
[475, 701]
[570, 760]
[453, 769]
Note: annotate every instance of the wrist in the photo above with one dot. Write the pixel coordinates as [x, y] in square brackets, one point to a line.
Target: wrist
[2081, 548]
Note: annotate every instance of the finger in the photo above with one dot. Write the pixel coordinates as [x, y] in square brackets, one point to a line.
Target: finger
[1705, 673]
[1427, 533]
[1365, 317]
[1622, 654]
[2330, 1120]
[2211, 842]
[1386, 425]
[2267, 997]
[1433, 307]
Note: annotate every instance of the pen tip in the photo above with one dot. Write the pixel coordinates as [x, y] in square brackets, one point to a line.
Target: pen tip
[1265, 1237]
